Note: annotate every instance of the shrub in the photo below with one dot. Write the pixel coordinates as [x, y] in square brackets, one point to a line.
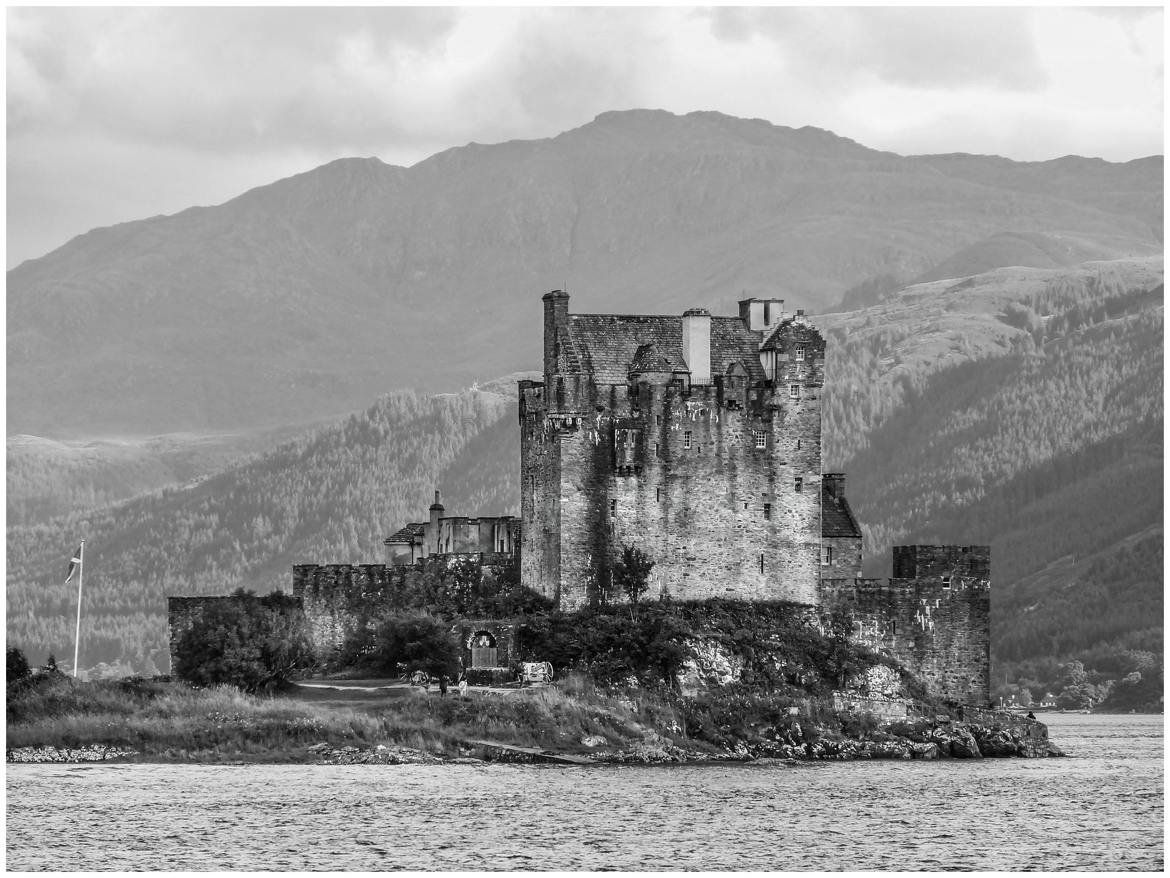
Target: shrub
[418, 641]
[246, 641]
[17, 666]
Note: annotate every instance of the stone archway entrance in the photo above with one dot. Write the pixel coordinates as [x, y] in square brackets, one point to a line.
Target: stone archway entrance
[483, 650]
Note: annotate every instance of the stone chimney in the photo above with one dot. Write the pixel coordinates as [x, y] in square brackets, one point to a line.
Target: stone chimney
[431, 539]
[761, 315]
[556, 317]
[696, 344]
[751, 312]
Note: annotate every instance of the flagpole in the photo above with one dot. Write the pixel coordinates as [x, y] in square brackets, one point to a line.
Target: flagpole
[80, 576]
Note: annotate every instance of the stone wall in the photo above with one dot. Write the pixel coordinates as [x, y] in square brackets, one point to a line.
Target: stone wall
[938, 632]
[339, 599]
[679, 475]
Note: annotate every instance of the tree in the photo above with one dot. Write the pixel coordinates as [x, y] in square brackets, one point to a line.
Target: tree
[17, 667]
[631, 573]
[418, 641]
[247, 641]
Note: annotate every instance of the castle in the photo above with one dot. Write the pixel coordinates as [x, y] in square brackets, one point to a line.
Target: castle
[696, 439]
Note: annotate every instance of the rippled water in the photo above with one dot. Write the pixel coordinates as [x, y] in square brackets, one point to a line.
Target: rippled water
[1099, 811]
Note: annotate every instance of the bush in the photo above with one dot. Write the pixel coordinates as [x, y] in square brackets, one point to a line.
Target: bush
[246, 641]
[17, 667]
[417, 641]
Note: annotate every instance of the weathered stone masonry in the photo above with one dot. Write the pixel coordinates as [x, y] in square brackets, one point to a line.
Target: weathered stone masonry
[697, 439]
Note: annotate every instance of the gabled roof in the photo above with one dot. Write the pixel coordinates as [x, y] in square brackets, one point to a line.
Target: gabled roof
[795, 327]
[406, 534]
[836, 517]
[607, 344]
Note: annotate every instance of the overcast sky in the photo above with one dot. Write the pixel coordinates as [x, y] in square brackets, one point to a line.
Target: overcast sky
[119, 114]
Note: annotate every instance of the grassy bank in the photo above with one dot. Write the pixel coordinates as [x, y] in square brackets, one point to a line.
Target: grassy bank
[170, 721]
[173, 721]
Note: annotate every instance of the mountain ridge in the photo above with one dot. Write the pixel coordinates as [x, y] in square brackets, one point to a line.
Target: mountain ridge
[329, 287]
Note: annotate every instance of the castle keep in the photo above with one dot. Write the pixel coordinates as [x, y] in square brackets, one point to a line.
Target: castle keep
[696, 439]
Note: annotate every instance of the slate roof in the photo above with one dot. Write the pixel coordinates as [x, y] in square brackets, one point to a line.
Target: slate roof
[407, 534]
[649, 359]
[836, 517]
[608, 343]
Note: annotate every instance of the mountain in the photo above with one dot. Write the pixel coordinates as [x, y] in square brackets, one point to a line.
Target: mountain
[1019, 407]
[306, 298]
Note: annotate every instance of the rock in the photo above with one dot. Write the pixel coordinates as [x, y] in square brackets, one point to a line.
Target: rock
[963, 745]
[923, 751]
[1055, 751]
[594, 741]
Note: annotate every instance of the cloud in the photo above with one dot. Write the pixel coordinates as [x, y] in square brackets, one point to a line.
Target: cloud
[912, 46]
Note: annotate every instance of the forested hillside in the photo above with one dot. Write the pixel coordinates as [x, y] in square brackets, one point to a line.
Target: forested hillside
[1021, 408]
[330, 497]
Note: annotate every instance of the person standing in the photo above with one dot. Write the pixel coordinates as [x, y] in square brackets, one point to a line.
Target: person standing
[443, 686]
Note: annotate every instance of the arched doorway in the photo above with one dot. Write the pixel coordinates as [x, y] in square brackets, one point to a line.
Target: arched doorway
[483, 650]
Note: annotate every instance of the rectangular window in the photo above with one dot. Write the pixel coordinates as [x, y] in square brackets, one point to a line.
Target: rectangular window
[657, 450]
[761, 438]
[686, 439]
[658, 420]
[768, 510]
[800, 353]
[798, 484]
[794, 391]
[612, 508]
[826, 556]
[761, 562]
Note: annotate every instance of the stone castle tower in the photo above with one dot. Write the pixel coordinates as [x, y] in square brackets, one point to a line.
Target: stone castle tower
[696, 439]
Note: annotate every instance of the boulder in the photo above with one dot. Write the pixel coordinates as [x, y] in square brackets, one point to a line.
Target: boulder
[924, 751]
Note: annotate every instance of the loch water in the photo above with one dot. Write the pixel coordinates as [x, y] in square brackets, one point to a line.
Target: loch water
[1102, 809]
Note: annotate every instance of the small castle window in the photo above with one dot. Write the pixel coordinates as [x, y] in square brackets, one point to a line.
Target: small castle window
[761, 562]
[798, 484]
[657, 494]
[657, 450]
[768, 511]
[761, 438]
[946, 581]
[800, 352]
[613, 508]
[794, 391]
[826, 556]
[686, 439]
[798, 445]
[658, 419]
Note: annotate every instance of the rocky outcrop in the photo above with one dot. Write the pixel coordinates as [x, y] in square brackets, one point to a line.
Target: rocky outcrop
[327, 754]
[90, 753]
